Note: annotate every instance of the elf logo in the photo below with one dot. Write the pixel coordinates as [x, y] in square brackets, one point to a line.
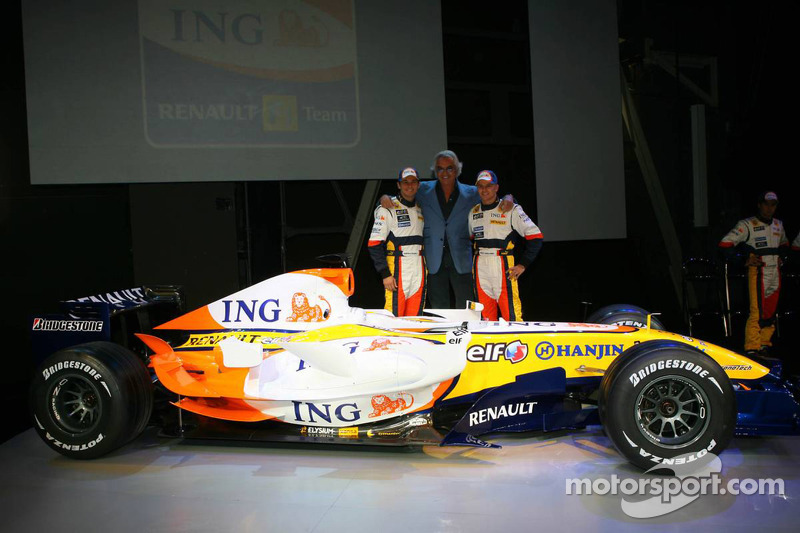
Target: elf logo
[513, 352]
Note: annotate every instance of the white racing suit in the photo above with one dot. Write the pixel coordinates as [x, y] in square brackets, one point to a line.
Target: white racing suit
[395, 246]
[761, 239]
[492, 232]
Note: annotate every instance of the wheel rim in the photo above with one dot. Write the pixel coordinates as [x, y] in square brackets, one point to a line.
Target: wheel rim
[75, 404]
[672, 411]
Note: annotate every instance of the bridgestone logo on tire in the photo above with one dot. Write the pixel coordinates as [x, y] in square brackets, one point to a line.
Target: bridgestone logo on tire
[77, 365]
[674, 364]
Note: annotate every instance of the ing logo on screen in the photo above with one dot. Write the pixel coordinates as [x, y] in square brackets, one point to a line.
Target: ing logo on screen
[279, 112]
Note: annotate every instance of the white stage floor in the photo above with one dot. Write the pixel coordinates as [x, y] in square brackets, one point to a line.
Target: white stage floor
[168, 485]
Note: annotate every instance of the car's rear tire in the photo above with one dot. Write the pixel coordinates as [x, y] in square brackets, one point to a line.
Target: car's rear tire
[91, 399]
[624, 315]
[662, 399]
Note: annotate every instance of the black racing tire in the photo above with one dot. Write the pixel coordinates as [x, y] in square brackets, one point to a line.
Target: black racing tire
[624, 315]
[661, 399]
[91, 399]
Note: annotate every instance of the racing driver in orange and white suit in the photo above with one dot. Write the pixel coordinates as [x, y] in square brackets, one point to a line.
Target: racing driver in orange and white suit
[494, 272]
[395, 246]
[760, 236]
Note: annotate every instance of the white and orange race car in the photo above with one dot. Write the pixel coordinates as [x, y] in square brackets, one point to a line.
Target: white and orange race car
[289, 359]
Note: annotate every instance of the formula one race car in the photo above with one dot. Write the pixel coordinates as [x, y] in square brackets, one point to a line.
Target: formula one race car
[288, 359]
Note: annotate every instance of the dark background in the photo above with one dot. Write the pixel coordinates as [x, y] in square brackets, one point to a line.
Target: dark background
[61, 242]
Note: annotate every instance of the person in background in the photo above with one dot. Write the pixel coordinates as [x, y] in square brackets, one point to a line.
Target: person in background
[760, 236]
[494, 272]
[448, 250]
[395, 246]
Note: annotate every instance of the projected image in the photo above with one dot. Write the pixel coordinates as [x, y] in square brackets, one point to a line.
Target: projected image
[249, 73]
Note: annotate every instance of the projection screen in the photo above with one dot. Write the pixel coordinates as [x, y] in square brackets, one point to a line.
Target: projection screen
[577, 127]
[227, 90]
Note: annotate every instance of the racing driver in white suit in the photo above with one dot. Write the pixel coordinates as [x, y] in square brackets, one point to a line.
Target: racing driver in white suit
[493, 269]
[395, 246]
[760, 237]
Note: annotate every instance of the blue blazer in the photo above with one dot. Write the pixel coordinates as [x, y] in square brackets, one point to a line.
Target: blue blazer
[455, 227]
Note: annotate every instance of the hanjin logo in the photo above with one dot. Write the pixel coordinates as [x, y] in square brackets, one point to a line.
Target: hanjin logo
[546, 350]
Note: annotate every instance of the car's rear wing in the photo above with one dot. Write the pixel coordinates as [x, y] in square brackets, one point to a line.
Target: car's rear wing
[113, 316]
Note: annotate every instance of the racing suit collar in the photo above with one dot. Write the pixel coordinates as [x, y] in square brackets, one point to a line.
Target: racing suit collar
[405, 202]
[491, 206]
[765, 220]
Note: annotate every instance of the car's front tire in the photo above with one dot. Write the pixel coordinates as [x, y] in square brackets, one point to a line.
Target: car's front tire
[624, 315]
[662, 399]
[90, 399]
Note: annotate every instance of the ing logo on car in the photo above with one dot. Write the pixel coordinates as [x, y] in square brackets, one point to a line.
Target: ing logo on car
[384, 405]
[302, 311]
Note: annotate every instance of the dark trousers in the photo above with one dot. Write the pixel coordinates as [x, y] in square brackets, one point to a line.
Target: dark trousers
[439, 286]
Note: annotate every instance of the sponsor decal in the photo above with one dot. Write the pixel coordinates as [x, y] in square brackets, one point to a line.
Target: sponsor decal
[476, 216]
[393, 433]
[759, 228]
[383, 404]
[122, 299]
[591, 326]
[75, 365]
[325, 412]
[302, 311]
[684, 459]
[75, 447]
[737, 367]
[546, 350]
[401, 211]
[457, 336]
[352, 346]
[418, 421]
[348, 433]
[43, 324]
[314, 431]
[498, 222]
[498, 215]
[216, 338]
[632, 323]
[513, 352]
[381, 344]
[504, 411]
[267, 310]
[761, 244]
[675, 364]
[475, 441]
[516, 352]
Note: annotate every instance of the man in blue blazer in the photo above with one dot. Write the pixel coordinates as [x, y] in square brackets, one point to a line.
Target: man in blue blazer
[445, 204]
